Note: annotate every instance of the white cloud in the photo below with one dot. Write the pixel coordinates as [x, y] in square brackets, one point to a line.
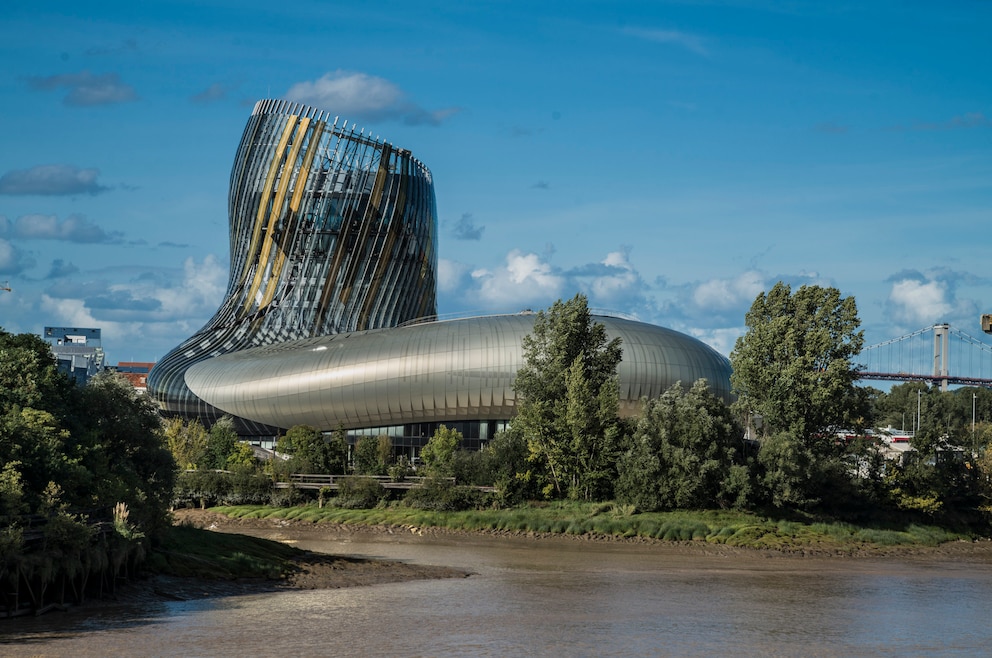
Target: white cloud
[728, 294]
[920, 302]
[354, 95]
[524, 280]
[617, 284]
[721, 339]
[148, 310]
[51, 180]
[75, 228]
[450, 275]
[12, 260]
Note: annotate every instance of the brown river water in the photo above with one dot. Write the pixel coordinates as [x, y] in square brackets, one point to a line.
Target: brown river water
[561, 598]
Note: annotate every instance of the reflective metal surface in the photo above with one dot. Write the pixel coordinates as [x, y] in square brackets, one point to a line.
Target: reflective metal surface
[440, 371]
[331, 231]
[333, 247]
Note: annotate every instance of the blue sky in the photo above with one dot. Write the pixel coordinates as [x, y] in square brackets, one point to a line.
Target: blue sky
[671, 160]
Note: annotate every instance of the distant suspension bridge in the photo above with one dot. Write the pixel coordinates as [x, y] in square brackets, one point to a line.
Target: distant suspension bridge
[928, 355]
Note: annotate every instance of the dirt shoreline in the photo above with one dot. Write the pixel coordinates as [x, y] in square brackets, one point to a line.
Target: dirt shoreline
[326, 571]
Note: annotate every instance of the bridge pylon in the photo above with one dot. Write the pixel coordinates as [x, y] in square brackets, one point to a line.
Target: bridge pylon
[941, 338]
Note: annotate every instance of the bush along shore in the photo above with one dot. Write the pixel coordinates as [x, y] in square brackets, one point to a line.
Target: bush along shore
[703, 530]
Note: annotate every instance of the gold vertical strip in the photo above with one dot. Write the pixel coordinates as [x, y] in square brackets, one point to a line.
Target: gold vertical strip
[252, 256]
[312, 147]
[384, 261]
[372, 214]
[277, 205]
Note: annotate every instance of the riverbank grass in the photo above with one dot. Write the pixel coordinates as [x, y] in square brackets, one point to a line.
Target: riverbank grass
[190, 552]
[740, 529]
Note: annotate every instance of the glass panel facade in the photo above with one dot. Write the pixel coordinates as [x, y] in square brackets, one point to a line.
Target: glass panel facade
[332, 289]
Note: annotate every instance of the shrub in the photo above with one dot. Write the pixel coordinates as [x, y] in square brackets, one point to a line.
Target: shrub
[359, 493]
[200, 489]
[443, 496]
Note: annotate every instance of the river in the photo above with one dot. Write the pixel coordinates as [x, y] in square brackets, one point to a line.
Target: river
[558, 597]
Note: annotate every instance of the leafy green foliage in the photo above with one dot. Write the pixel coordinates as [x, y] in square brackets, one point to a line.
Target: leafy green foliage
[510, 469]
[793, 369]
[439, 452]
[367, 457]
[359, 492]
[794, 365]
[187, 441]
[222, 441]
[568, 400]
[444, 495]
[684, 454]
[312, 452]
[102, 443]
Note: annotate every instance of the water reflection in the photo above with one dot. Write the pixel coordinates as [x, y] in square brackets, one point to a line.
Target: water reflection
[564, 597]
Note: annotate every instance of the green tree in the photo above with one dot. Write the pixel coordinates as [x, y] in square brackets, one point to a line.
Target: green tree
[439, 452]
[511, 471]
[384, 452]
[242, 457]
[567, 394]
[684, 454]
[187, 441]
[337, 448]
[222, 440]
[793, 369]
[311, 451]
[367, 460]
[128, 456]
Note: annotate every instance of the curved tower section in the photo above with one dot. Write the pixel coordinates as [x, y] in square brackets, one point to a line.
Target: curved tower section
[331, 231]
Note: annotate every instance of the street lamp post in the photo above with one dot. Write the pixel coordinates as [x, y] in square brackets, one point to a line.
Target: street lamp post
[919, 398]
[974, 442]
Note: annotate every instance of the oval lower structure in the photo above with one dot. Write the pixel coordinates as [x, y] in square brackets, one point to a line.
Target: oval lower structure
[453, 370]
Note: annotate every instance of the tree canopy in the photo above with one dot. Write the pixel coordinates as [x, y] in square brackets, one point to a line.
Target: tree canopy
[794, 365]
[684, 453]
[568, 400]
[82, 448]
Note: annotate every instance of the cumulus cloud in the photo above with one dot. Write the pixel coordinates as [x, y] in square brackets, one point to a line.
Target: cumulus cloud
[612, 283]
[524, 280]
[51, 180]
[728, 294]
[721, 339]
[690, 42]
[12, 259]
[75, 228]
[919, 299]
[357, 95]
[451, 275]
[86, 89]
[466, 228]
[148, 296]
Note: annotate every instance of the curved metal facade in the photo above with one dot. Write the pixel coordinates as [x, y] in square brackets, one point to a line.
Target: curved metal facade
[333, 248]
[456, 370]
[331, 231]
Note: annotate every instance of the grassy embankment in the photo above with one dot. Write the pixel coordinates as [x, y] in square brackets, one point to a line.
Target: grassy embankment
[730, 528]
[196, 553]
